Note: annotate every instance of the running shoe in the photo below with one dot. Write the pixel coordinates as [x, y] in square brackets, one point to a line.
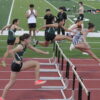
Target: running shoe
[35, 43]
[84, 53]
[1, 98]
[72, 47]
[40, 82]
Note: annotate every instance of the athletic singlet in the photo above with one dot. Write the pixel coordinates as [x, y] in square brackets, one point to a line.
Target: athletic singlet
[19, 55]
[51, 30]
[77, 38]
[11, 34]
[78, 34]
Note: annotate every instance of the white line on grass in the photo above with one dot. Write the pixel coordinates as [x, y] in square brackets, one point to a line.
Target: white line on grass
[8, 22]
[55, 8]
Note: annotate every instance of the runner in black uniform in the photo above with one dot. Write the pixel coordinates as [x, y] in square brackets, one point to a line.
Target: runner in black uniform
[11, 38]
[50, 33]
[61, 15]
[18, 64]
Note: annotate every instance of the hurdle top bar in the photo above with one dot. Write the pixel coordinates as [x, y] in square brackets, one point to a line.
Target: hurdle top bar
[73, 68]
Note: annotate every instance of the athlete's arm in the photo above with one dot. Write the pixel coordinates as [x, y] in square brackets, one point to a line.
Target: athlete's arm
[49, 25]
[85, 33]
[35, 14]
[66, 29]
[72, 27]
[37, 50]
[4, 28]
[19, 28]
[27, 15]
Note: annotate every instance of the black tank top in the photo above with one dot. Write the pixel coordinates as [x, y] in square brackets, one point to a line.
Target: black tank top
[19, 55]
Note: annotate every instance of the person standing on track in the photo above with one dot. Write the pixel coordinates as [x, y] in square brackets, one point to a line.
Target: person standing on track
[61, 15]
[31, 16]
[79, 42]
[81, 11]
[49, 17]
[18, 65]
[11, 38]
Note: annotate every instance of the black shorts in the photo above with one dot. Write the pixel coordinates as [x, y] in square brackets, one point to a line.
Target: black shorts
[11, 42]
[49, 36]
[32, 25]
[81, 17]
[16, 67]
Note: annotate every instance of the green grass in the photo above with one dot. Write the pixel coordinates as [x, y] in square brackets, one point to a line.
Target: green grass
[95, 3]
[29, 53]
[19, 11]
[21, 7]
[5, 6]
[40, 5]
[78, 54]
[95, 18]
[64, 45]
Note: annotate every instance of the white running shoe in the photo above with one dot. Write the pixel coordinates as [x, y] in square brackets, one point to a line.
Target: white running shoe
[72, 47]
[35, 43]
[84, 53]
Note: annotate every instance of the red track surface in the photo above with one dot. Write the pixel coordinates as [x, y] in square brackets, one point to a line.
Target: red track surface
[89, 70]
[24, 89]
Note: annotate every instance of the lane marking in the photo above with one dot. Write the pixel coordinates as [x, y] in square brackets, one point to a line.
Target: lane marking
[9, 18]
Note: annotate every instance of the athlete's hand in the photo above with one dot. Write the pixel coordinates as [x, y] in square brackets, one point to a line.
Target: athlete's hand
[46, 53]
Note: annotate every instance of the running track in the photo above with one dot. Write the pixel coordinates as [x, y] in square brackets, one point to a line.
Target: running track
[24, 89]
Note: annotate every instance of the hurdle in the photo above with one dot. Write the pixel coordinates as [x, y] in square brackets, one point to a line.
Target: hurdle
[61, 59]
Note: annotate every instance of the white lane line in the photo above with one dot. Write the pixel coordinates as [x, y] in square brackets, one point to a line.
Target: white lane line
[41, 89]
[53, 71]
[9, 18]
[50, 80]
[63, 94]
[55, 8]
[42, 64]
[77, 65]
